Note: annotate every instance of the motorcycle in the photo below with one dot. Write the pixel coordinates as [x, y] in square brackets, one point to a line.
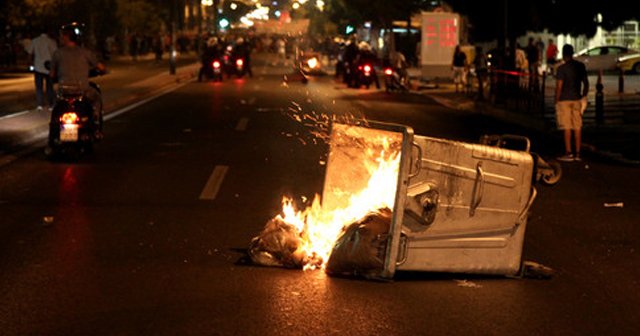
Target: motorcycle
[393, 81]
[73, 129]
[240, 67]
[365, 75]
[211, 69]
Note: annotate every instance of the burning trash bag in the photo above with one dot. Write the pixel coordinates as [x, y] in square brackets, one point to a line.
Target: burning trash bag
[277, 245]
[361, 248]
[358, 251]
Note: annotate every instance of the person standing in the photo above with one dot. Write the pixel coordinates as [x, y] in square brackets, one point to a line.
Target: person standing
[482, 70]
[459, 66]
[572, 86]
[552, 53]
[40, 51]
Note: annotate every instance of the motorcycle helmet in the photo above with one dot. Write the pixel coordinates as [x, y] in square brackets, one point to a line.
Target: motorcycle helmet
[74, 31]
[212, 41]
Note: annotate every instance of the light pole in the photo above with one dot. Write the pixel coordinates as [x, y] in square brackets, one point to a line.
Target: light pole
[172, 56]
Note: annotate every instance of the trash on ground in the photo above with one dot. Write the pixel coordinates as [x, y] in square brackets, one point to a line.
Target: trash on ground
[277, 245]
[360, 250]
[467, 283]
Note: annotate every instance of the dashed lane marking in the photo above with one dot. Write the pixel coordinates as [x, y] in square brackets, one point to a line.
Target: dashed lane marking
[212, 187]
[242, 124]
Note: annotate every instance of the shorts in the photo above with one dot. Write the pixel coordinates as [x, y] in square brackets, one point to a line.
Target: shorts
[569, 114]
[459, 75]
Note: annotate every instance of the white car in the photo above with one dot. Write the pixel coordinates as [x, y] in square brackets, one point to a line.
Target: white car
[603, 57]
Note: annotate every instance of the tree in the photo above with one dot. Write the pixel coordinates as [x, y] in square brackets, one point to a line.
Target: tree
[487, 18]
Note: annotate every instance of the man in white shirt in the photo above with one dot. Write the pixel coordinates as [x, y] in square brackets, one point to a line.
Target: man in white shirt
[41, 50]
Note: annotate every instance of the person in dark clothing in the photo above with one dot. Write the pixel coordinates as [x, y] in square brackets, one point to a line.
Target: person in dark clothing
[572, 86]
[459, 67]
[533, 58]
[367, 56]
[349, 58]
[243, 49]
[482, 70]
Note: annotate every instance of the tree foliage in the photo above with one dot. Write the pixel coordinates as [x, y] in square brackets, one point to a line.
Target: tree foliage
[487, 18]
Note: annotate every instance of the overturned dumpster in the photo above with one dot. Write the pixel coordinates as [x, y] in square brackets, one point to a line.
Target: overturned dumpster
[396, 201]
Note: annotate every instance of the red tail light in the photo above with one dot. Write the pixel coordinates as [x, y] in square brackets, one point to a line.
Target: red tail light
[69, 118]
[388, 71]
[239, 62]
[216, 64]
[367, 68]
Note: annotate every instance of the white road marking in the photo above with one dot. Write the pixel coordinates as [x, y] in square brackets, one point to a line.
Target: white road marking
[242, 124]
[8, 116]
[212, 187]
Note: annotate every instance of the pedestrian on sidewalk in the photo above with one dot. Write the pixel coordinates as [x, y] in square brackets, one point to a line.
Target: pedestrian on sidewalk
[40, 52]
[572, 85]
[482, 70]
[459, 67]
[552, 53]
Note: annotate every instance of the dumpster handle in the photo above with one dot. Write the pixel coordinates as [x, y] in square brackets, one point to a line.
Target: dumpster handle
[478, 190]
[524, 212]
[403, 248]
[418, 162]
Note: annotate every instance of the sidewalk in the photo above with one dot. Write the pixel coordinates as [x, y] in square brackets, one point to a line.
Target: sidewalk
[122, 86]
[618, 142]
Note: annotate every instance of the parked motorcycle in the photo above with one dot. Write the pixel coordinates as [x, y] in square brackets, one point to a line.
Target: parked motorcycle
[547, 172]
[73, 129]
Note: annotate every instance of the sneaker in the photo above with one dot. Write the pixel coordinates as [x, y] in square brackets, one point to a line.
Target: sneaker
[39, 108]
[50, 108]
[566, 158]
[577, 158]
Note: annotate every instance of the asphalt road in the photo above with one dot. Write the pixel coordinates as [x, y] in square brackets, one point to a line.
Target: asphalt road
[129, 246]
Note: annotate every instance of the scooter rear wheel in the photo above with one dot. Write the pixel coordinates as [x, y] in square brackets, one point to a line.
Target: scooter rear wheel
[553, 174]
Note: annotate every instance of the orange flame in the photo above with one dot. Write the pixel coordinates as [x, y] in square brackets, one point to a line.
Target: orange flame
[319, 228]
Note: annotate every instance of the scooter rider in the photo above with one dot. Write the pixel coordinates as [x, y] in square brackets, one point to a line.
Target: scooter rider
[70, 66]
[399, 64]
[366, 55]
[243, 49]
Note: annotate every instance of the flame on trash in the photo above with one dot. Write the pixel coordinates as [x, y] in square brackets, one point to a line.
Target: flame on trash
[319, 228]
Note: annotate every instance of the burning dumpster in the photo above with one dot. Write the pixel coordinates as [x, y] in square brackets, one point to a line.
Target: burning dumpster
[396, 201]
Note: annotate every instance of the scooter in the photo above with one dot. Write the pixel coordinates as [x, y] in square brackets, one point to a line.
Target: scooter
[546, 172]
[393, 81]
[240, 67]
[211, 69]
[365, 75]
[73, 129]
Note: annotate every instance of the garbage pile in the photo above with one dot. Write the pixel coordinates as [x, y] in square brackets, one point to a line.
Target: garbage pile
[358, 251]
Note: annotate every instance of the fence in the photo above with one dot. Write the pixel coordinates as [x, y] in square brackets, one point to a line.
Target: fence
[533, 95]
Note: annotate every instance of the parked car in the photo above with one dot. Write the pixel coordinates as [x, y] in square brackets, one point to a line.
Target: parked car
[603, 57]
[630, 63]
